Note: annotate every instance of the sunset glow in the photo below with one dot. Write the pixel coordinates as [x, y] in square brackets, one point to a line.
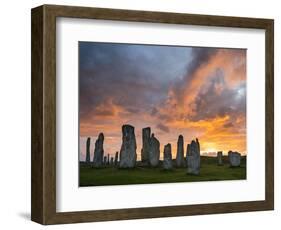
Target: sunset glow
[197, 92]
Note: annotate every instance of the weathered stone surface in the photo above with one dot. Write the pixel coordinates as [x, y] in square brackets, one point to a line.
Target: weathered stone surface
[108, 159]
[98, 153]
[128, 154]
[112, 161]
[234, 159]
[219, 158]
[193, 157]
[104, 160]
[167, 162]
[88, 143]
[154, 151]
[116, 159]
[145, 145]
[180, 152]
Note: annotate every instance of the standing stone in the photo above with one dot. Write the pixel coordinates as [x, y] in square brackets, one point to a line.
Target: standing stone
[88, 158]
[104, 160]
[98, 153]
[154, 151]
[180, 152]
[108, 159]
[193, 157]
[111, 161]
[187, 150]
[167, 162]
[219, 158]
[116, 159]
[145, 145]
[234, 159]
[198, 145]
[128, 153]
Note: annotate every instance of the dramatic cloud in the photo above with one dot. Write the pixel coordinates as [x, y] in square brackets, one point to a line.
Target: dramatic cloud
[131, 76]
[216, 99]
[196, 92]
[200, 57]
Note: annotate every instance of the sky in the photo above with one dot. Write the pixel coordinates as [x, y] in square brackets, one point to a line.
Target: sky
[197, 92]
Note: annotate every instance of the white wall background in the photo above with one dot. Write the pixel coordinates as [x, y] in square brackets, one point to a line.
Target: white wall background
[15, 113]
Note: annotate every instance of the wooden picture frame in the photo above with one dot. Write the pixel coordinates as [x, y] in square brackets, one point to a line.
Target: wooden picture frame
[43, 202]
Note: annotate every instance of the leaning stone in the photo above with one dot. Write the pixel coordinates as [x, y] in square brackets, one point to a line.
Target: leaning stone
[88, 158]
[98, 153]
[219, 158]
[234, 159]
[167, 162]
[145, 145]
[128, 153]
[193, 157]
[154, 151]
[180, 152]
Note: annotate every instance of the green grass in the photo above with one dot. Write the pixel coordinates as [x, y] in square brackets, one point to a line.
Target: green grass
[144, 175]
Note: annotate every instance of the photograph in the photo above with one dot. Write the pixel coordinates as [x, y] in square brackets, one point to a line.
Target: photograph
[161, 114]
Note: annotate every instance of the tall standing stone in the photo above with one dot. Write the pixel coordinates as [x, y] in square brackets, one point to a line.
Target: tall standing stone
[219, 158]
[234, 159]
[193, 157]
[167, 162]
[116, 159]
[128, 153]
[154, 151]
[88, 143]
[145, 145]
[104, 160]
[98, 153]
[180, 152]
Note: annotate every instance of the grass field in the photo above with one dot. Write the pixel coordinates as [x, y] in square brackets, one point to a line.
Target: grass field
[210, 171]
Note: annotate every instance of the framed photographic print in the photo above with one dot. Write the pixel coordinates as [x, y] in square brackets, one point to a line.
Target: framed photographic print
[140, 114]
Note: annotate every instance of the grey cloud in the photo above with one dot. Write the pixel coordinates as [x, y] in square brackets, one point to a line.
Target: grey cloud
[163, 128]
[216, 99]
[154, 111]
[228, 125]
[200, 57]
[134, 77]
